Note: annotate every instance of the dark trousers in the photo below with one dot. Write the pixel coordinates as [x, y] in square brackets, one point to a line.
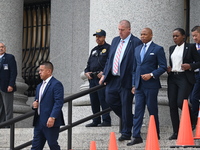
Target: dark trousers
[195, 97]
[143, 97]
[179, 88]
[97, 100]
[43, 134]
[6, 106]
[120, 100]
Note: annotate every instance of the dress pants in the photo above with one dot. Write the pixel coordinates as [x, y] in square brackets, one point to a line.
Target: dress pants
[179, 88]
[120, 101]
[97, 100]
[195, 97]
[42, 134]
[143, 97]
[6, 106]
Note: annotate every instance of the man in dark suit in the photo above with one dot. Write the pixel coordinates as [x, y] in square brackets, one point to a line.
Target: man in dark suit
[195, 94]
[150, 63]
[8, 74]
[117, 75]
[48, 109]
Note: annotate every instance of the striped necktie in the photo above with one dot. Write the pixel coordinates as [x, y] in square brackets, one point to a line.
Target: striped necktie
[117, 58]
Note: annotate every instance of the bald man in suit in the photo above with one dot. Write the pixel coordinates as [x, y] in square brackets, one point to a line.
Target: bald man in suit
[150, 63]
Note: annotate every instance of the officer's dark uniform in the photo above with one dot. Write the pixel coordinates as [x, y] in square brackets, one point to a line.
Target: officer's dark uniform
[96, 64]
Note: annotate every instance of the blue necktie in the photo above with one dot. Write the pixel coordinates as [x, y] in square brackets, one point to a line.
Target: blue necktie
[143, 51]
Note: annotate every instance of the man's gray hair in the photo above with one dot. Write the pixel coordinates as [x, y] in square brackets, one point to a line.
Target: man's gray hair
[126, 23]
[3, 43]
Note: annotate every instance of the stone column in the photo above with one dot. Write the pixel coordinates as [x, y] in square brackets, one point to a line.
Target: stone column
[69, 41]
[84, 100]
[11, 14]
[194, 15]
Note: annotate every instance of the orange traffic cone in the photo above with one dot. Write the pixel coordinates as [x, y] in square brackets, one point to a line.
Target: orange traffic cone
[92, 145]
[197, 135]
[152, 136]
[185, 136]
[112, 142]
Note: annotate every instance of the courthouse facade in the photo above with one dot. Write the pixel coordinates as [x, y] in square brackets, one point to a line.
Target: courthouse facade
[61, 31]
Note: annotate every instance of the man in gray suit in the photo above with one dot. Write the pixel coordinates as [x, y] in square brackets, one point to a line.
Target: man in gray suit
[8, 74]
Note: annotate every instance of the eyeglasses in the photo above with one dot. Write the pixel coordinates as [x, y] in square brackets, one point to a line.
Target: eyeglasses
[2, 46]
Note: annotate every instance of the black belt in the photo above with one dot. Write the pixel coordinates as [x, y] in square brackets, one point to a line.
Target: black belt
[177, 73]
[94, 74]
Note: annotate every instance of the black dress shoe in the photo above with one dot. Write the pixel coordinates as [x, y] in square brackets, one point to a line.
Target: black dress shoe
[124, 137]
[104, 124]
[135, 141]
[91, 125]
[173, 137]
[193, 127]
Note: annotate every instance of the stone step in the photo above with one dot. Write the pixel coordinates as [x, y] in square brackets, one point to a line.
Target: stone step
[101, 136]
[82, 137]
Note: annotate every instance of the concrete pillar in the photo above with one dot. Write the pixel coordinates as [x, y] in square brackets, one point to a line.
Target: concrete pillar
[161, 16]
[84, 100]
[11, 14]
[69, 41]
[194, 14]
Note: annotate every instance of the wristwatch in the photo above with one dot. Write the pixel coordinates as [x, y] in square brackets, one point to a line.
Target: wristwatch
[151, 74]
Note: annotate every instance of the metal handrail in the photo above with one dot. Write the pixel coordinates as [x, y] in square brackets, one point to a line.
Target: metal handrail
[70, 125]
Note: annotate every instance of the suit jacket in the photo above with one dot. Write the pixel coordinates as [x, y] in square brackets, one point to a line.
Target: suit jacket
[126, 65]
[190, 55]
[51, 103]
[199, 55]
[154, 62]
[8, 72]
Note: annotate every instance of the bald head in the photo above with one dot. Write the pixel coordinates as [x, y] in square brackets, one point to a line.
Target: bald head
[146, 35]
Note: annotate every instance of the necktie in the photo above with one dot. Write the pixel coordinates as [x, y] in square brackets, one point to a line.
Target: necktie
[40, 95]
[143, 51]
[198, 46]
[1, 60]
[117, 58]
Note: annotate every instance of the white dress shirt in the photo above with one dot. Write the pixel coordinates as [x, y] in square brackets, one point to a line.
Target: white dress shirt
[177, 58]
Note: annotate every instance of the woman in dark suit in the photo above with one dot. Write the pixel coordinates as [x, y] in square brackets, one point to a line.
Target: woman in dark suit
[183, 60]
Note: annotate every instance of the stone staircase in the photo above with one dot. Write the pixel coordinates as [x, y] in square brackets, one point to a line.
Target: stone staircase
[82, 137]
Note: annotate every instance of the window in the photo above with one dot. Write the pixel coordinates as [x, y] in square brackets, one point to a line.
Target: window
[36, 38]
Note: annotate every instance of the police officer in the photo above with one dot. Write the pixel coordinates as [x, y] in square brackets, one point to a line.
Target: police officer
[93, 72]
